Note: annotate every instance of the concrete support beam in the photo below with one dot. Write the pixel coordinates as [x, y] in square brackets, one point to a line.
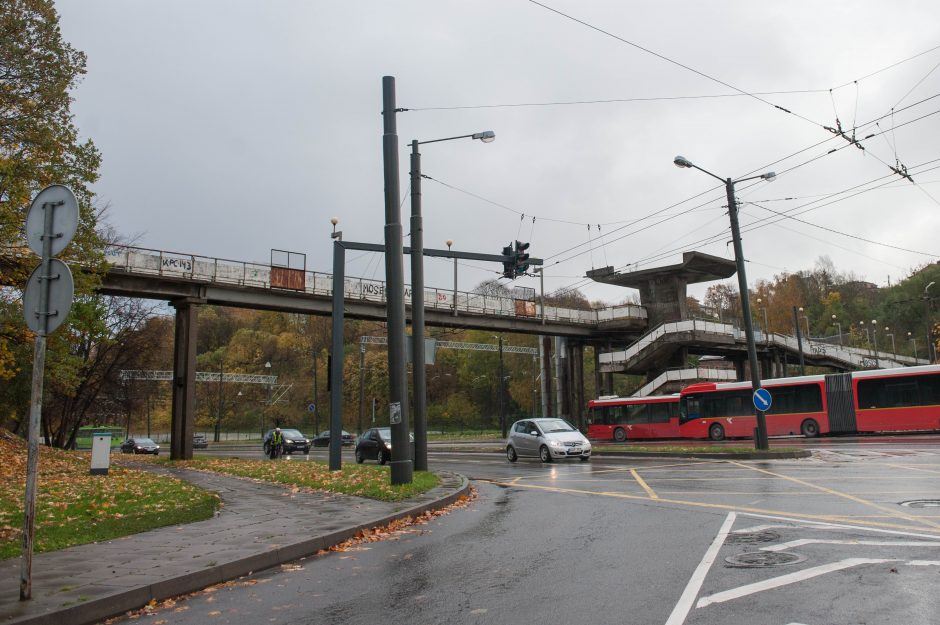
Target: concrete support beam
[545, 353]
[184, 381]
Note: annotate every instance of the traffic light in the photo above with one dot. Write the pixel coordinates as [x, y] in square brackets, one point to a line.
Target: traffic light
[509, 264]
[521, 258]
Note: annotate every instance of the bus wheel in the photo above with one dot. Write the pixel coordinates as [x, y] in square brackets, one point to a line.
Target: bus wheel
[809, 428]
[716, 432]
[619, 435]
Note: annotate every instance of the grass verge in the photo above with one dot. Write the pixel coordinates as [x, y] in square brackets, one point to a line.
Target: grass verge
[361, 480]
[74, 507]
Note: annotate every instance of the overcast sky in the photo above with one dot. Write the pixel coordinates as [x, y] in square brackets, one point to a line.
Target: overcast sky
[229, 128]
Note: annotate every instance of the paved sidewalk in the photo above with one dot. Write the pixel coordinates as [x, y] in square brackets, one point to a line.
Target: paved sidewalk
[259, 526]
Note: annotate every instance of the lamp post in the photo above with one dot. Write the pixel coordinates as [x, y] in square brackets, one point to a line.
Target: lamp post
[931, 355]
[894, 348]
[499, 390]
[867, 335]
[913, 340]
[218, 417]
[267, 371]
[799, 339]
[839, 328]
[806, 319]
[766, 325]
[417, 302]
[874, 337]
[449, 243]
[760, 439]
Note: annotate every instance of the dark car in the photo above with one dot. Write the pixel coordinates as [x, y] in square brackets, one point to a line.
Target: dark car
[292, 439]
[376, 444]
[140, 446]
[323, 439]
[200, 441]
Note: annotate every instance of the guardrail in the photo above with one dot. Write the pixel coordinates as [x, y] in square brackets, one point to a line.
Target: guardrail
[855, 357]
[138, 260]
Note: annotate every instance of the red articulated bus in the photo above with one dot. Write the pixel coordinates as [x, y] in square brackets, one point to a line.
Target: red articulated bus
[882, 400]
[622, 418]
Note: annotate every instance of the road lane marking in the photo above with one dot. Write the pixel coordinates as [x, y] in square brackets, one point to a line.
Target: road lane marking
[786, 580]
[924, 563]
[684, 605]
[759, 512]
[643, 484]
[872, 543]
[901, 466]
[830, 525]
[896, 513]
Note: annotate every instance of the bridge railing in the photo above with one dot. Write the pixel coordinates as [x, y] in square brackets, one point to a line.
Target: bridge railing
[223, 271]
[853, 356]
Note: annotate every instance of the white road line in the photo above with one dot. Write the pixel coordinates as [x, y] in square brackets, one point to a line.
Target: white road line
[785, 580]
[681, 611]
[872, 543]
[844, 526]
[759, 528]
[923, 563]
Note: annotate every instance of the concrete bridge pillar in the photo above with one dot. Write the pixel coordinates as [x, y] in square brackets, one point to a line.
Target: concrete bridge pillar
[545, 353]
[184, 381]
[576, 362]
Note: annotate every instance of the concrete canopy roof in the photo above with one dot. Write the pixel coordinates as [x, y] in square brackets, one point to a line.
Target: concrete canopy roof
[695, 267]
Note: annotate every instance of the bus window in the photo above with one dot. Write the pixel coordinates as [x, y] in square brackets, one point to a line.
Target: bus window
[660, 413]
[689, 408]
[637, 414]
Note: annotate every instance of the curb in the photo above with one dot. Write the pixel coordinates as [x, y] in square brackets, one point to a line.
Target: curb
[113, 605]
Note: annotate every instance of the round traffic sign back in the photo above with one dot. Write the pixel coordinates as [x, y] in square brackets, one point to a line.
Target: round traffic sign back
[61, 201]
[61, 293]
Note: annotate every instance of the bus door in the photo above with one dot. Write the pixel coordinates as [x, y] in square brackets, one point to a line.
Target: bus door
[638, 421]
[840, 402]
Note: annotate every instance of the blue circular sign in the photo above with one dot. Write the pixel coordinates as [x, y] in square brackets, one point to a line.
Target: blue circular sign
[762, 399]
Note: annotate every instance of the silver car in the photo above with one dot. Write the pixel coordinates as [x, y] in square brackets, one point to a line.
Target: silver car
[546, 439]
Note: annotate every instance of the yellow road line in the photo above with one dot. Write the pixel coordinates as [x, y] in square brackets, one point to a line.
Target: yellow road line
[902, 466]
[642, 482]
[831, 518]
[896, 513]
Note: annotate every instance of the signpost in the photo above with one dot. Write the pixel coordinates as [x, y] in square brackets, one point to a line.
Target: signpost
[50, 225]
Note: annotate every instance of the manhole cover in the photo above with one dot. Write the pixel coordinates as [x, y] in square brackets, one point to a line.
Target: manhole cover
[749, 538]
[921, 503]
[757, 559]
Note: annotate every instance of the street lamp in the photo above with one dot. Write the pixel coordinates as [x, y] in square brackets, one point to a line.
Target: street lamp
[931, 356]
[267, 371]
[806, 319]
[874, 337]
[799, 338]
[449, 243]
[499, 389]
[867, 335]
[839, 328]
[914, 342]
[764, 314]
[894, 349]
[401, 441]
[760, 440]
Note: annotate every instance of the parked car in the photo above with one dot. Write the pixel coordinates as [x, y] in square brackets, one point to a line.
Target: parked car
[140, 446]
[200, 441]
[547, 440]
[293, 441]
[323, 439]
[376, 444]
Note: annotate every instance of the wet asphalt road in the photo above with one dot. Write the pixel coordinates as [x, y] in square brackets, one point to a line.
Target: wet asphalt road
[637, 541]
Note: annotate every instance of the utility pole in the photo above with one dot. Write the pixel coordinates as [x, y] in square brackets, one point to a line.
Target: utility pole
[502, 404]
[799, 340]
[362, 364]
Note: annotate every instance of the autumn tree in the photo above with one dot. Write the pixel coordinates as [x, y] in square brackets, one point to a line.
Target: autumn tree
[39, 146]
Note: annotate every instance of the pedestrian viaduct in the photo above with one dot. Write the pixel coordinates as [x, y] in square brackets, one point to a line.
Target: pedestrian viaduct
[653, 339]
